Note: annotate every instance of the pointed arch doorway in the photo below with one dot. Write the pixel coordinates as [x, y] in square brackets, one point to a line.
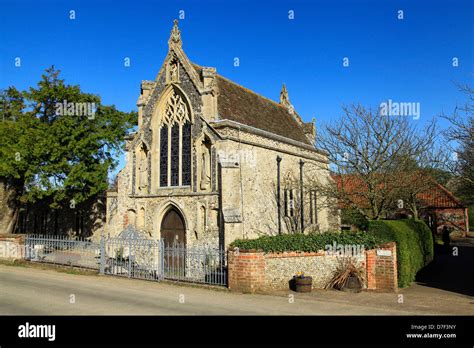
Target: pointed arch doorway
[173, 230]
[173, 234]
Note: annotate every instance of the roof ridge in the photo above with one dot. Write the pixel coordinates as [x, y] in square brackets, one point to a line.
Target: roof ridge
[449, 193]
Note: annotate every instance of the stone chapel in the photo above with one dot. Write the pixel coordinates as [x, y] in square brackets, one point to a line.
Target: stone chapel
[212, 161]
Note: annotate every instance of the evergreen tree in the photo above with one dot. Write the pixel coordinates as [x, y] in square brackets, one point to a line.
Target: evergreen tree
[56, 143]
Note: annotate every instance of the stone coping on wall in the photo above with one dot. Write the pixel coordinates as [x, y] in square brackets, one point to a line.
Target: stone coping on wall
[387, 245]
[271, 255]
[294, 254]
[12, 237]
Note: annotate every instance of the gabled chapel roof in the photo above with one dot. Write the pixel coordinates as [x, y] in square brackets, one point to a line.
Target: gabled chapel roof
[242, 105]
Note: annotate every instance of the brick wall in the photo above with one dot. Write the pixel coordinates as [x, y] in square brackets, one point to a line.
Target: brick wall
[253, 271]
[246, 271]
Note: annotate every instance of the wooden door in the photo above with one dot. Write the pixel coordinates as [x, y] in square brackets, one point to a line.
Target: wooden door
[172, 229]
[174, 238]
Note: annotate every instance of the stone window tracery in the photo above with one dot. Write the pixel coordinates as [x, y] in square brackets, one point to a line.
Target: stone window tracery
[175, 140]
[175, 109]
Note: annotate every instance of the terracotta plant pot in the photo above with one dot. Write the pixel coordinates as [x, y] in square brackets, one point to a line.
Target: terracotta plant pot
[303, 284]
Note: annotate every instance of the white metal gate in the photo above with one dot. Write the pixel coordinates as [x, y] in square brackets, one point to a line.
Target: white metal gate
[132, 258]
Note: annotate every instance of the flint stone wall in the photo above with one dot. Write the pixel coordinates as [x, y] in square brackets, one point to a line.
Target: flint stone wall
[280, 268]
[255, 271]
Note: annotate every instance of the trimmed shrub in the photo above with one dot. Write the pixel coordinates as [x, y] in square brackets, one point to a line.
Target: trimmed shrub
[306, 242]
[353, 217]
[414, 245]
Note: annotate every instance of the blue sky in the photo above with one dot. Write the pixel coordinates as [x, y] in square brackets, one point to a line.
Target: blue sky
[407, 60]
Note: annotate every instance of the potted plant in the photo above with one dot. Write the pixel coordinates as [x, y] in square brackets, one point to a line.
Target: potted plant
[348, 276]
[303, 283]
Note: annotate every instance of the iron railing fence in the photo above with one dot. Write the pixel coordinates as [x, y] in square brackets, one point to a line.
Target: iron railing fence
[197, 264]
[132, 258]
[62, 250]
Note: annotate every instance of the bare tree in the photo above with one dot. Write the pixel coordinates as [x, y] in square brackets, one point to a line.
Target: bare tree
[460, 142]
[290, 206]
[410, 191]
[372, 158]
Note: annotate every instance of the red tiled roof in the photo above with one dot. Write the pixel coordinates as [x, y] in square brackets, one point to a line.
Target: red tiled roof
[354, 186]
[437, 196]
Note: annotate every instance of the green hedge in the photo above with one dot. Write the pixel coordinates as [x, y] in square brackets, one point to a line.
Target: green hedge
[306, 242]
[353, 217]
[414, 245]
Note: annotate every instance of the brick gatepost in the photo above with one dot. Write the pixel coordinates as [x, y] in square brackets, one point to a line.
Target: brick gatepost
[246, 270]
[382, 268]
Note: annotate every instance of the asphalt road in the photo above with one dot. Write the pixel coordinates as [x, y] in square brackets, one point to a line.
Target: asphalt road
[29, 291]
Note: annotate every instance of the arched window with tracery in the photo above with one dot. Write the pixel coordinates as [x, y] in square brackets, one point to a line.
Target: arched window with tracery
[175, 140]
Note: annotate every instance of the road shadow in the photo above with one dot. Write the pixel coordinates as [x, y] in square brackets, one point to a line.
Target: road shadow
[450, 272]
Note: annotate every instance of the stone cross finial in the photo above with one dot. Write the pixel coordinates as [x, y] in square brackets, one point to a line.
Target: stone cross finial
[284, 99]
[175, 37]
